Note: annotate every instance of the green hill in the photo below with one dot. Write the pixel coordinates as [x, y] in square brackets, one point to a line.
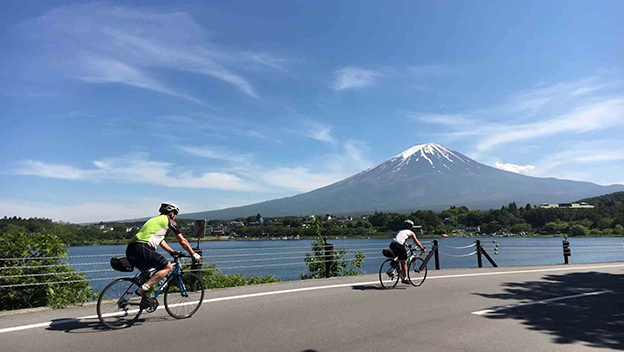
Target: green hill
[616, 198]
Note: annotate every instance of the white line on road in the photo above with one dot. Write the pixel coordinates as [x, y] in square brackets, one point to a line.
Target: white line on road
[544, 301]
[212, 300]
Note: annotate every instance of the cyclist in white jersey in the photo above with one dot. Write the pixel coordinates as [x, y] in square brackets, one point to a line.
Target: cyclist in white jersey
[399, 243]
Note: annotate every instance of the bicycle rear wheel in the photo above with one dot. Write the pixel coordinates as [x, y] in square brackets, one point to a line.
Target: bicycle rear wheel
[118, 306]
[184, 295]
[415, 275]
[388, 275]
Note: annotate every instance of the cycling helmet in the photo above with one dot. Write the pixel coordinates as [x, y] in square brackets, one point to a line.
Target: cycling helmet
[408, 224]
[166, 208]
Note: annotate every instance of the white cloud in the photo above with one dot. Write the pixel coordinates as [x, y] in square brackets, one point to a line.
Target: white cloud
[81, 212]
[136, 168]
[298, 178]
[519, 169]
[331, 168]
[353, 77]
[132, 45]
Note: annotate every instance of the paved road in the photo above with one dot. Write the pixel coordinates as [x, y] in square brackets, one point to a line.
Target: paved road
[564, 308]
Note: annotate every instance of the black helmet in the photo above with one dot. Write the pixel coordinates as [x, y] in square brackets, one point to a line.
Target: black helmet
[408, 224]
[166, 208]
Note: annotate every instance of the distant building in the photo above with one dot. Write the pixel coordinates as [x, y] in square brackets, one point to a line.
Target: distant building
[581, 205]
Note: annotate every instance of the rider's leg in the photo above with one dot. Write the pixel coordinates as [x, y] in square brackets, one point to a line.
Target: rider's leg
[159, 275]
[403, 268]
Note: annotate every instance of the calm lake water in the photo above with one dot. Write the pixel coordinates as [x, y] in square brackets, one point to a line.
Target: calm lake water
[284, 258]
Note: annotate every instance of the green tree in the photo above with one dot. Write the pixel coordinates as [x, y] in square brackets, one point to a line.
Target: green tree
[579, 230]
[46, 251]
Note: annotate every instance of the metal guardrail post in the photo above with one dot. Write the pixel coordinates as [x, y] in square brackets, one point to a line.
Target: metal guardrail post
[329, 257]
[432, 252]
[566, 251]
[436, 253]
[479, 260]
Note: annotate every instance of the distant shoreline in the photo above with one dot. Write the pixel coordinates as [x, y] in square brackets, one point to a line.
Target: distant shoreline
[218, 239]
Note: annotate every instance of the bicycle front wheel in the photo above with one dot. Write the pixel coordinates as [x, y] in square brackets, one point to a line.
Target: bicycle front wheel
[415, 275]
[184, 295]
[389, 274]
[118, 306]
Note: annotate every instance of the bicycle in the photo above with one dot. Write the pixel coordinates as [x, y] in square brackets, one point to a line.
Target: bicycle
[119, 306]
[389, 271]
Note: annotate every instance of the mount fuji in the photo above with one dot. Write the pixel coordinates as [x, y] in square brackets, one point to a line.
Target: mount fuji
[426, 176]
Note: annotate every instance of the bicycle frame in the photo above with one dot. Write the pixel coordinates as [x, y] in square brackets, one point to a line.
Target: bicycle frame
[146, 275]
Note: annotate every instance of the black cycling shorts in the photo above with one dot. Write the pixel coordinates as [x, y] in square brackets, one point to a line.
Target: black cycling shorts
[399, 250]
[143, 257]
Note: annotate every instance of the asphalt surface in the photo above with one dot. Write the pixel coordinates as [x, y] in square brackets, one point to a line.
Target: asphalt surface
[564, 308]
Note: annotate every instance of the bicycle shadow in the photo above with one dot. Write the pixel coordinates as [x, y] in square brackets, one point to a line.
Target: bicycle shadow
[594, 320]
[73, 325]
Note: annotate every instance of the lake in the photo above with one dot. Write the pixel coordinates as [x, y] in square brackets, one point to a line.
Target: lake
[284, 258]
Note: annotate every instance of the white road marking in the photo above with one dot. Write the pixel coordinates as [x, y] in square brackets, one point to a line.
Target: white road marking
[544, 301]
[260, 294]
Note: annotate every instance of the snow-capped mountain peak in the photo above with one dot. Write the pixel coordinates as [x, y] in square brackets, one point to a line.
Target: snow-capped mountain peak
[437, 156]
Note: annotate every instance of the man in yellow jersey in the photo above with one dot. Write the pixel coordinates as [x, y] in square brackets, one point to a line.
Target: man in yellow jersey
[141, 250]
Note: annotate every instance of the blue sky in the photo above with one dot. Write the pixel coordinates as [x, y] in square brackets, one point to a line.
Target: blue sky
[109, 108]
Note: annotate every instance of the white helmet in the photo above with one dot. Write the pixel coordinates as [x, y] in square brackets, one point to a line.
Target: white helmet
[166, 208]
[408, 224]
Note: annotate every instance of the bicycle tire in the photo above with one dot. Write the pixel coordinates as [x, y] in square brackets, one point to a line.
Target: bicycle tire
[415, 276]
[118, 303]
[388, 281]
[177, 301]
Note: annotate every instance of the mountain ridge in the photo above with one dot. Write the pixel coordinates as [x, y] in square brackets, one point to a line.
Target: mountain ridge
[425, 176]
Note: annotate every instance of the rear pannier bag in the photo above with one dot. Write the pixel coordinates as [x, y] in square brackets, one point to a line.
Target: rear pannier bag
[121, 264]
[388, 253]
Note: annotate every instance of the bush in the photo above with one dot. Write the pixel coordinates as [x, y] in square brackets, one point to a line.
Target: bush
[214, 278]
[37, 245]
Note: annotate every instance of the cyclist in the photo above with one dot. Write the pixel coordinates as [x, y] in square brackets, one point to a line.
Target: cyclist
[141, 250]
[399, 243]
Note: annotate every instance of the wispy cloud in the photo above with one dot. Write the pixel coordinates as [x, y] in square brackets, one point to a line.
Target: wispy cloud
[442, 119]
[354, 77]
[132, 46]
[219, 154]
[135, 168]
[101, 70]
[550, 111]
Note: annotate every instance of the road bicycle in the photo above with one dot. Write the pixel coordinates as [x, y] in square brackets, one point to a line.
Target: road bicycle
[390, 272]
[119, 306]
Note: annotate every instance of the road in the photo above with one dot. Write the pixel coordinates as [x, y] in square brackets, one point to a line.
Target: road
[545, 308]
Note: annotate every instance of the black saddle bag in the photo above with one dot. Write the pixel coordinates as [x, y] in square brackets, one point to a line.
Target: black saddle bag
[121, 264]
[388, 253]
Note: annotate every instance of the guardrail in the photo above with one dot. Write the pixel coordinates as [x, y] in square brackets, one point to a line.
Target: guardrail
[261, 257]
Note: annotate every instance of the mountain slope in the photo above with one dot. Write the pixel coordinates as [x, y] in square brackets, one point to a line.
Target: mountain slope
[426, 176]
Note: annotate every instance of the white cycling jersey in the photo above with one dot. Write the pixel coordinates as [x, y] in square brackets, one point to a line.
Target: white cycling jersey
[402, 236]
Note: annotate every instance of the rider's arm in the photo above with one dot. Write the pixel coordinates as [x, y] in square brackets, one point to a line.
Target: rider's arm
[166, 247]
[184, 243]
[417, 242]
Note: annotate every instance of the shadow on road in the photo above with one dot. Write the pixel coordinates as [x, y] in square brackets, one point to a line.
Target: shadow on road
[597, 321]
[72, 325]
[366, 287]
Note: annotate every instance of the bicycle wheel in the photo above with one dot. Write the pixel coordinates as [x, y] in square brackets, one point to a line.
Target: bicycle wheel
[118, 306]
[415, 275]
[184, 295]
[388, 275]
